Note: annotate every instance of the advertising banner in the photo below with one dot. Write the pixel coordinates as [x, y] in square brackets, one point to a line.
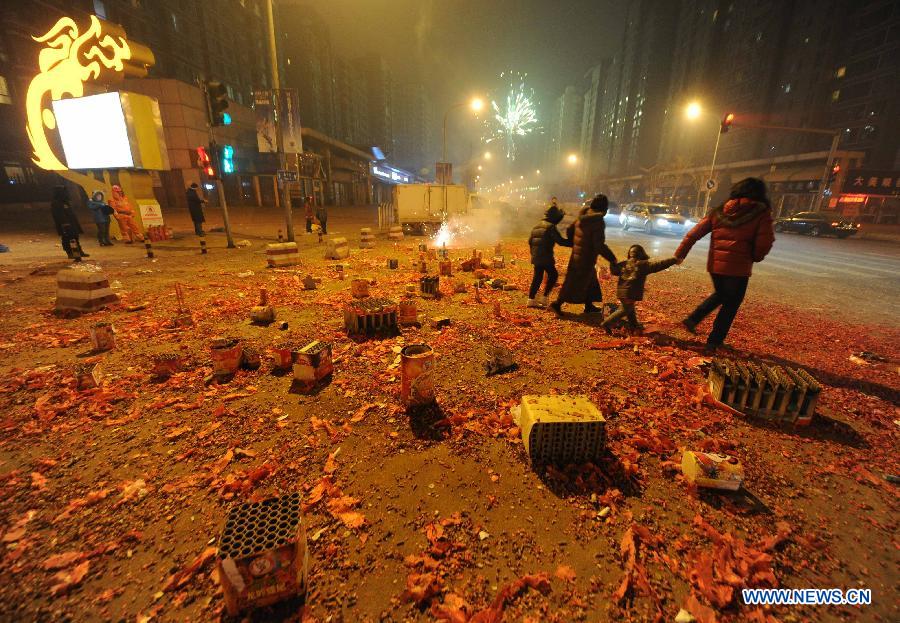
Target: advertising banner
[290, 113]
[266, 141]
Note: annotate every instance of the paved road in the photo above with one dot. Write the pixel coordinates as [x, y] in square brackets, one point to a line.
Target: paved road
[859, 277]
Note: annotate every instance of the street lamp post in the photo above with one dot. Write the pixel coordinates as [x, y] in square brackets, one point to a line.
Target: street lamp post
[712, 169]
[476, 104]
[273, 55]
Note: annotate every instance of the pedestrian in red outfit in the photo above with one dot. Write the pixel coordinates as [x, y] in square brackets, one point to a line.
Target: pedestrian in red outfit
[742, 234]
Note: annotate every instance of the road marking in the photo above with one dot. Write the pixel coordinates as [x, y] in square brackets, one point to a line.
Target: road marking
[855, 263]
[827, 269]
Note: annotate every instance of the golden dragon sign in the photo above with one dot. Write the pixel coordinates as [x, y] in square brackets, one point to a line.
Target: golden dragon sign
[71, 59]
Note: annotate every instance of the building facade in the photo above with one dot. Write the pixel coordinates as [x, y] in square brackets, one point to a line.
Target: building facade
[564, 130]
[191, 43]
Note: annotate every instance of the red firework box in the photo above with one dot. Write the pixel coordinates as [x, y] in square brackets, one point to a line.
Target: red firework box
[263, 557]
[284, 356]
[313, 363]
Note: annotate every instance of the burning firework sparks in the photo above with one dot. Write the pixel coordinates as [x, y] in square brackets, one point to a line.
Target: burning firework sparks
[515, 118]
[444, 236]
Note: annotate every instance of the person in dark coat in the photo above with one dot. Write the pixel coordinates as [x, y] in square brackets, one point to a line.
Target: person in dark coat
[742, 234]
[322, 217]
[67, 225]
[195, 203]
[101, 211]
[308, 207]
[588, 236]
[544, 237]
[632, 281]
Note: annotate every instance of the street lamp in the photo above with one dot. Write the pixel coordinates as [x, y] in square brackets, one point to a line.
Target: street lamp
[476, 104]
[538, 172]
[487, 155]
[693, 111]
[572, 159]
[480, 167]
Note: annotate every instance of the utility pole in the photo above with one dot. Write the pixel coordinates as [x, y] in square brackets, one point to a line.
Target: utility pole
[220, 181]
[276, 86]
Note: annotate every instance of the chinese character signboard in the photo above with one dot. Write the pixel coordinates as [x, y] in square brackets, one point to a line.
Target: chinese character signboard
[266, 141]
[872, 182]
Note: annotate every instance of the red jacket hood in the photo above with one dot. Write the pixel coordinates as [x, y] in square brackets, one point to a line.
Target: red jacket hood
[736, 212]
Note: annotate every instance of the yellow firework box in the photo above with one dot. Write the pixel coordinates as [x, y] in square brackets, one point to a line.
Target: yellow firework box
[282, 254]
[263, 557]
[82, 290]
[561, 429]
[714, 471]
[337, 249]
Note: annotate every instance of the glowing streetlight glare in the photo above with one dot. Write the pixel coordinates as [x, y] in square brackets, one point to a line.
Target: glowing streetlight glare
[477, 104]
[572, 159]
[521, 177]
[693, 110]
[487, 155]
[480, 167]
[538, 172]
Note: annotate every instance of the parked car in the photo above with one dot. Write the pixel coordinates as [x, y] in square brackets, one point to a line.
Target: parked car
[817, 224]
[612, 215]
[655, 218]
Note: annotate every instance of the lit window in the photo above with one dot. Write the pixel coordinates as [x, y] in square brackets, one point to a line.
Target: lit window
[787, 88]
[4, 92]
[835, 95]
[99, 9]
[840, 72]
[174, 22]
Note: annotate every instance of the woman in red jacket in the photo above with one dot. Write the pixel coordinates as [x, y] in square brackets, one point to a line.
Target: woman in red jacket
[741, 235]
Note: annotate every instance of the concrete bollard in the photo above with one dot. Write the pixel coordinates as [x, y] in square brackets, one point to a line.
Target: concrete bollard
[366, 238]
[82, 290]
[282, 254]
[337, 249]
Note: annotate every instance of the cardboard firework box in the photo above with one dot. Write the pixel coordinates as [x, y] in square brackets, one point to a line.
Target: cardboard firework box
[263, 557]
[312, 363]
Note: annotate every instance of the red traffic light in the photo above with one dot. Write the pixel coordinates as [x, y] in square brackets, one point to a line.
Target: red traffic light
[727, 121]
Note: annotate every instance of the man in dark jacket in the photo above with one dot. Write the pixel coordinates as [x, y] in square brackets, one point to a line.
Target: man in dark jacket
[195, 206]
[543, 238]
[101, 212]
[588, 236]
[322, 217]
[67, 225]
[741, 235]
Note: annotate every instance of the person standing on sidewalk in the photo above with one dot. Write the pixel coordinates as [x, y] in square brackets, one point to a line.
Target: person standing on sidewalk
[742, 234]
[195, 203]
[308, 208]
[67, 225]
[588, 236]
[322, 217]
[543, 238]
[101, 212]
[124, 214]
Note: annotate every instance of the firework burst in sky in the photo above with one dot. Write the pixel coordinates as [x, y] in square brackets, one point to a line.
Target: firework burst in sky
[514, 116]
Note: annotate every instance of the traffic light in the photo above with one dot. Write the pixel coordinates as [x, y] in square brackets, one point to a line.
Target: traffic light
[227, 159]
[727, 121]
[204, 163]
[217, 100]
[834, 173]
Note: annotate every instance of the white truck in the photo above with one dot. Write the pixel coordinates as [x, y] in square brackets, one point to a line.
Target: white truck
[422, 208]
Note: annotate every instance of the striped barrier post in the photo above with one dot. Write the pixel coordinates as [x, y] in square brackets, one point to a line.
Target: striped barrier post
[202, 244]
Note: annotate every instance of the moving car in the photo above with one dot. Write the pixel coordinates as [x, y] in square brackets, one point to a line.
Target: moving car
[655, 218]
[817, 224]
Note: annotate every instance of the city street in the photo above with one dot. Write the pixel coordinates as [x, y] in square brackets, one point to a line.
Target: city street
[116, 495]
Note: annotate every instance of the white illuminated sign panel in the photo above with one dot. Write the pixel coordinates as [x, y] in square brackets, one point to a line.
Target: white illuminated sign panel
[93, 132]
[391, 174]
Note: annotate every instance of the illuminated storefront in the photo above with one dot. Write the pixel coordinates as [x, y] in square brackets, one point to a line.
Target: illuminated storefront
[870, 196]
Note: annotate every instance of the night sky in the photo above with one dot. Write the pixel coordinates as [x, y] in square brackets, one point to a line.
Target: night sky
[459, 47]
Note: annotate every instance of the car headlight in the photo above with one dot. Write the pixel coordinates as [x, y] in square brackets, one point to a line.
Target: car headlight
[662, 222]
[689, 223]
